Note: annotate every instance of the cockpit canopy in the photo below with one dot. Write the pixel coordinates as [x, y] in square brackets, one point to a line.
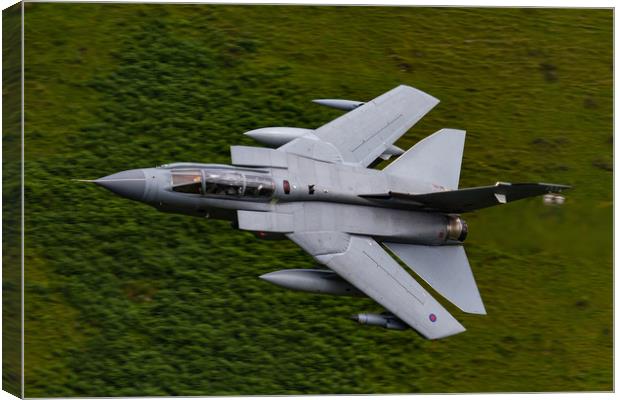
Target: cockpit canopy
[221, 182]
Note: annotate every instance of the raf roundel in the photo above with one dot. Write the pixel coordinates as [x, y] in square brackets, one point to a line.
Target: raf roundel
[432, 317]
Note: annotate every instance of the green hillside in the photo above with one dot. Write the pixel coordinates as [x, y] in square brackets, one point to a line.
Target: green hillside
[122, 300]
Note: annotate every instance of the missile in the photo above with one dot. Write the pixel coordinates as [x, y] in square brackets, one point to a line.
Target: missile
[313, 281]
[346, 105]
[384, 320]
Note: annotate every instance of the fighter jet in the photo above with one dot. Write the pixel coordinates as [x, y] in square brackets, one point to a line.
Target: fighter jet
[315, 187]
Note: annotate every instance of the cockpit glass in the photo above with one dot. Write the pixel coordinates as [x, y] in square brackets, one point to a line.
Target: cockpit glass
[259, 186]
[189, 181]
[222, 183]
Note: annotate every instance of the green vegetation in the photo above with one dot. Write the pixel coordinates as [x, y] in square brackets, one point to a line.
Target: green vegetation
[123, 300]
[11, 200]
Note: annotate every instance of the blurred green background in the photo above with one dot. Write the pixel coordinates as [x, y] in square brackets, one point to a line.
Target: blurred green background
[122, 300]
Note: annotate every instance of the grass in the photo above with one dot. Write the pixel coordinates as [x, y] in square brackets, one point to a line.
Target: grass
[11, 206]
[122, 300]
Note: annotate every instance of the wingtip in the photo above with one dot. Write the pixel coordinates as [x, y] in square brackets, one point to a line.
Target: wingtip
[430, 98]
[457, 329]
[476, 311]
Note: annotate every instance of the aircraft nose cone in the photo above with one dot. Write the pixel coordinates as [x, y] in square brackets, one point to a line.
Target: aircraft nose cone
[130, 184]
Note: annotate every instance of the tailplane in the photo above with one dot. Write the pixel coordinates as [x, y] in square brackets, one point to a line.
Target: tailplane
[445, 269]
[435, 159]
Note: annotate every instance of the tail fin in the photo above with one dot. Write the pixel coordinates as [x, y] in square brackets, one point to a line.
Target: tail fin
[435, 159]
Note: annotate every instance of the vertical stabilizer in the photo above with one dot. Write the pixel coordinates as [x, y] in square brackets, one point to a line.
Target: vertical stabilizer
[435, 159]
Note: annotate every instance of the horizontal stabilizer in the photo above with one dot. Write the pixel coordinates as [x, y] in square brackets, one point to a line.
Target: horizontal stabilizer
[446, 269]
[435, 159]
[469, 199]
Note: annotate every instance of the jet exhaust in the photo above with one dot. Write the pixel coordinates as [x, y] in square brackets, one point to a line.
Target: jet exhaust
[457, 229]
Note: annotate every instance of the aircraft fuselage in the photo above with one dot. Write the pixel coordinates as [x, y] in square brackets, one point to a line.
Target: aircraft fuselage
[220, 191]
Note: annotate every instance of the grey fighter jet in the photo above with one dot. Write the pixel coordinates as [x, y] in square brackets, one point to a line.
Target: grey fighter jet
[315, 188]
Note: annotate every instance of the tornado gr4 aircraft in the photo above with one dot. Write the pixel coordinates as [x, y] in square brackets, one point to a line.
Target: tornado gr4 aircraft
[315, 188]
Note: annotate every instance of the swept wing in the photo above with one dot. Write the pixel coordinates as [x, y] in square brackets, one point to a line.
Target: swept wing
[360, 136]
[365, 264]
